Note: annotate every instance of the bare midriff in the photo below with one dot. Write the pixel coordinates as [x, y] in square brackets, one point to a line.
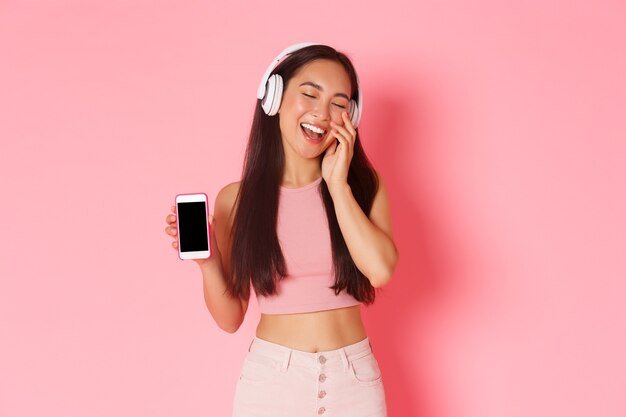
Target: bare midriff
[313, 332]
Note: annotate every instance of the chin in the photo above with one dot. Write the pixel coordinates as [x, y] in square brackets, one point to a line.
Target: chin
[309, 154]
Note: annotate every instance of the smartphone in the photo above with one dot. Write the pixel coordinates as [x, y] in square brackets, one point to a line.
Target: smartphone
[192, 212]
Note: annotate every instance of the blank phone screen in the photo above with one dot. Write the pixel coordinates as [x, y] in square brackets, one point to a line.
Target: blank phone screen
[193, 227]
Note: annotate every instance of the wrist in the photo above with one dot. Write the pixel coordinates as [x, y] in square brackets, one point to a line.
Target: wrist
[211, 264]
[338, 189]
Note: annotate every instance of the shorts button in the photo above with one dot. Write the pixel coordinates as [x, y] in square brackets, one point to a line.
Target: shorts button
[322, 360]
[322, 378]
[322, 394]
[321, 410]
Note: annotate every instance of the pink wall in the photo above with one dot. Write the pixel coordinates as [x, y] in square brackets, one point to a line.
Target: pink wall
[500, 130]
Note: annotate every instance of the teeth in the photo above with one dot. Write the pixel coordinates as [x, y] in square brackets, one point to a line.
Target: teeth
[313, 128]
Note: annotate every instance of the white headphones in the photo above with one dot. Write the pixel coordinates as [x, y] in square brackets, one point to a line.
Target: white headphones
[271, 88]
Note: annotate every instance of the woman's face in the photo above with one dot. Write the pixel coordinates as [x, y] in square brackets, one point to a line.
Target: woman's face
[317, 93]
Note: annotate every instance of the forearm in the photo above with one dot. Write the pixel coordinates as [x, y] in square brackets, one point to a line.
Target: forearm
[226, 311]
[372, 250]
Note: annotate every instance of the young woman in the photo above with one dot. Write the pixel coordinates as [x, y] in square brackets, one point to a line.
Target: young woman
[308, 227]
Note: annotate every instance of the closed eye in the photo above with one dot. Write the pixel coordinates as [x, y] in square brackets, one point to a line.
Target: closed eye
[339, 105]
[308, 95]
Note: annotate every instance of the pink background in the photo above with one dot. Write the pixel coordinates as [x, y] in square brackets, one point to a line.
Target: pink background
[500, 130]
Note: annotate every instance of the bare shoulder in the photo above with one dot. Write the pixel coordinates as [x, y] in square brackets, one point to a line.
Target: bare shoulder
[225, 199]
[229, 191]
[224, 217]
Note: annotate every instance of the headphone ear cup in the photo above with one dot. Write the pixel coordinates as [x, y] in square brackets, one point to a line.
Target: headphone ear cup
[353, 109]
[273, 95]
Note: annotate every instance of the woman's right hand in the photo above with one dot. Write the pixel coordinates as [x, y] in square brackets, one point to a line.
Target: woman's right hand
[172, 230]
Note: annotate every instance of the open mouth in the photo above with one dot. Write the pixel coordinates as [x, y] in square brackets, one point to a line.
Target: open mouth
[313, 133]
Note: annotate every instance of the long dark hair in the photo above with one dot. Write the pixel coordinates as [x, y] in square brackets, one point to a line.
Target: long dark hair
[256, 255]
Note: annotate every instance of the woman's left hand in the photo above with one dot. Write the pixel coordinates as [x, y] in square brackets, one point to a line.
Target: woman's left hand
[338, 155]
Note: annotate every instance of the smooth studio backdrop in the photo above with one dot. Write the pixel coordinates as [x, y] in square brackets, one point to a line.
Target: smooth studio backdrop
[498, 126]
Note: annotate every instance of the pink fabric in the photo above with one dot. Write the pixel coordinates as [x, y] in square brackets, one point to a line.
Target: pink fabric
[277, 381]
[305, 241]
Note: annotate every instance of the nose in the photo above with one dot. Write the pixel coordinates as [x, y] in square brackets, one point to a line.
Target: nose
[321, 111]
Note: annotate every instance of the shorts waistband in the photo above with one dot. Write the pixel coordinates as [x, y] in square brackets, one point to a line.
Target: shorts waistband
[286, 356]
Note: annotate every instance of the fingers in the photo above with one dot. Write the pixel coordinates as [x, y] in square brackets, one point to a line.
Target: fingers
[342, 141]
[212, 239]
[171, 218]
[347, 130]
[348, 124]
[341, 131]
[345, 134]
[171, 230]
[330, 151]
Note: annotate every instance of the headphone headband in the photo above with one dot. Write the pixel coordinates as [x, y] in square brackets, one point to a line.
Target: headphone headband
[288, 50]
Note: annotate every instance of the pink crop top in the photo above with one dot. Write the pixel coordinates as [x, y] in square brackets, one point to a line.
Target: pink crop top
[305, 242]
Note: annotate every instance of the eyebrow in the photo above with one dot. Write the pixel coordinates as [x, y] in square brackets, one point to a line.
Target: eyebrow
[319, 87]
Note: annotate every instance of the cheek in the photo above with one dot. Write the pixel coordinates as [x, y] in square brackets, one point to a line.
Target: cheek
[335, 115]
[291, 111]
[300, 105]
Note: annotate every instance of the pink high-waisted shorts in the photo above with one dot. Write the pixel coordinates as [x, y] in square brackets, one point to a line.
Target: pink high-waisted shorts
[277, 381]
